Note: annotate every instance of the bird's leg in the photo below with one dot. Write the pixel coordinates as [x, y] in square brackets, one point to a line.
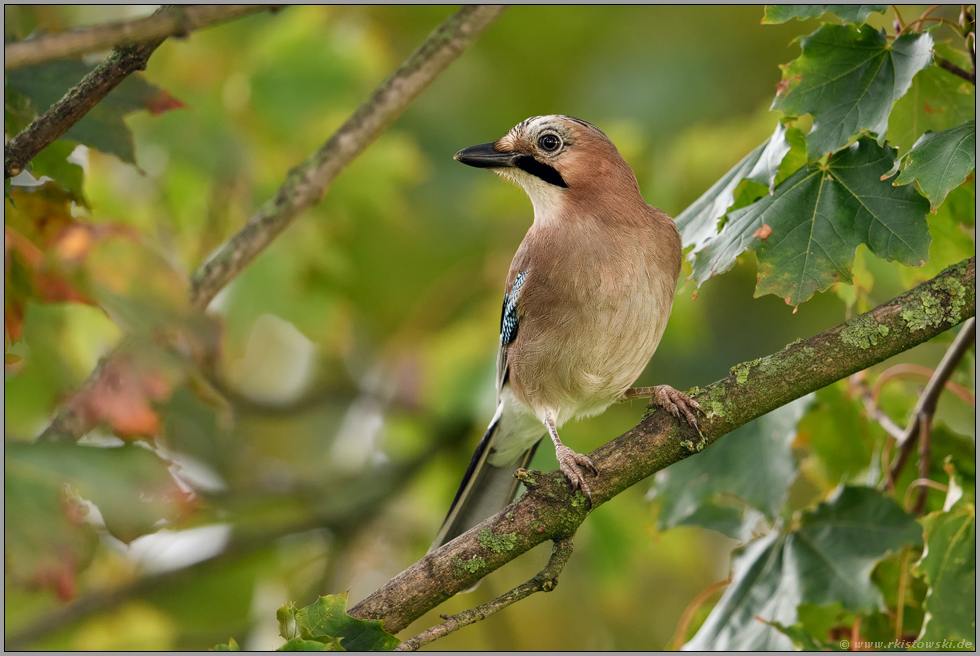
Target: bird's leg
[667, 397]
[569, 461]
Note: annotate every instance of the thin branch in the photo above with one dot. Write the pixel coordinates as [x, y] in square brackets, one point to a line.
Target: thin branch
[870, 400]
[922, 483]
[924, 16]
[898, 17]
[910, 371]
[544, 581]
[692, 608]
[178, 22]
[306, 184]
[65, 113]
[955, 70]
[925, 454]
[549, 511]
[930, 396]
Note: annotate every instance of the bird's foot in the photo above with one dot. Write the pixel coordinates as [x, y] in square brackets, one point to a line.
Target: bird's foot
[570, 463]
[677, 403]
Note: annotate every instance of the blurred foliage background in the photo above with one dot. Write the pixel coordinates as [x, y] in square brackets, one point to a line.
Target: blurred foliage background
[322, 444]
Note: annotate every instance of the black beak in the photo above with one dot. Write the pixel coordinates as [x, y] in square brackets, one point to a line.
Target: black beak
[485, 156]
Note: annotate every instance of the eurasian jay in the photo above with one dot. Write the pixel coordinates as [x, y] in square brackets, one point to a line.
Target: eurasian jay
[586, 302]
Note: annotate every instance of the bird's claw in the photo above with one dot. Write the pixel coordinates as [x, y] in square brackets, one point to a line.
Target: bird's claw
[570, 463]
[678, 403]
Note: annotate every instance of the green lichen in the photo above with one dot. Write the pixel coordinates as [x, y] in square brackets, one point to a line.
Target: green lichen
[471, 566]
[932, 312]
[496, 543]
[509, 516]
[741, 371]
[716, 409]
[863, 332]
[693, 446]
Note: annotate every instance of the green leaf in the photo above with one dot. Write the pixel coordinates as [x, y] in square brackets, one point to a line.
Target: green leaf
[806, 233]
[940, 161]
[838, 544]
[324, 643]
[53, 162]
[131, 486]
[103, 127]
[754, 465]
[847, 78]
[937, 100]
[17, 111]
[231, 646]
[802, 639]
[827, 559]
[949, 566]
[699, 222]
[328, 618]
[850, 13]
[836, 431]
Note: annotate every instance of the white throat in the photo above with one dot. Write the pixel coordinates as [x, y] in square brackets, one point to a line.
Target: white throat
[546, 198]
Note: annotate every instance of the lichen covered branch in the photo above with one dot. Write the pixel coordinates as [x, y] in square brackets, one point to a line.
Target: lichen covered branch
[549, 511]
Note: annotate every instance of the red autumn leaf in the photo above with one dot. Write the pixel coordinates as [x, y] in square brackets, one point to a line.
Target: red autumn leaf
[123, 397]
[162, 102]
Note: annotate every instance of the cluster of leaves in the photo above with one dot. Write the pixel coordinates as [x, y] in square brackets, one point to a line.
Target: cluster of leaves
[325, 625]
[829, 190]
[826, 556]
[54, 253]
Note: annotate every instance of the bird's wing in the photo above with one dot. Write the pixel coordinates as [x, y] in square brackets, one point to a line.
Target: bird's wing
[509, 323]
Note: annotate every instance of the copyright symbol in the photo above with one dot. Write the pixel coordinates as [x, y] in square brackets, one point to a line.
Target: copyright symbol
[845, 644]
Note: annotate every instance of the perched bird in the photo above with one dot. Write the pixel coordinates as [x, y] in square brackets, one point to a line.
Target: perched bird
[586, 302]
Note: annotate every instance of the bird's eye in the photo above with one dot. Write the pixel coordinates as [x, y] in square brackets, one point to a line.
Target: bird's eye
[549, 142]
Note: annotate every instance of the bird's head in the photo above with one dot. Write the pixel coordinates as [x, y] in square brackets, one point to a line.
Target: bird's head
[557, 160]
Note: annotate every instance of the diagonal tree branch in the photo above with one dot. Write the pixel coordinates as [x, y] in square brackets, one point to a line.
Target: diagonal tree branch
[926, 405]
[544, 581]
[307, 183]
[549, 512]
[179, 21]
[78, 102]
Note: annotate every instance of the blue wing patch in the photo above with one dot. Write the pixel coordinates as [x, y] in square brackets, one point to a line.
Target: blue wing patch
[508, 318]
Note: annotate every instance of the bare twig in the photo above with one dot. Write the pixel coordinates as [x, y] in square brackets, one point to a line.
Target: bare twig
[85, 95]
[870, 399]
[545, 581]
[925, 453]
[929, 398]
[955, 70]
[910, 371]
[180, 21]
[692, 608]
[898, 17]
[306, 184]
[923, 484]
